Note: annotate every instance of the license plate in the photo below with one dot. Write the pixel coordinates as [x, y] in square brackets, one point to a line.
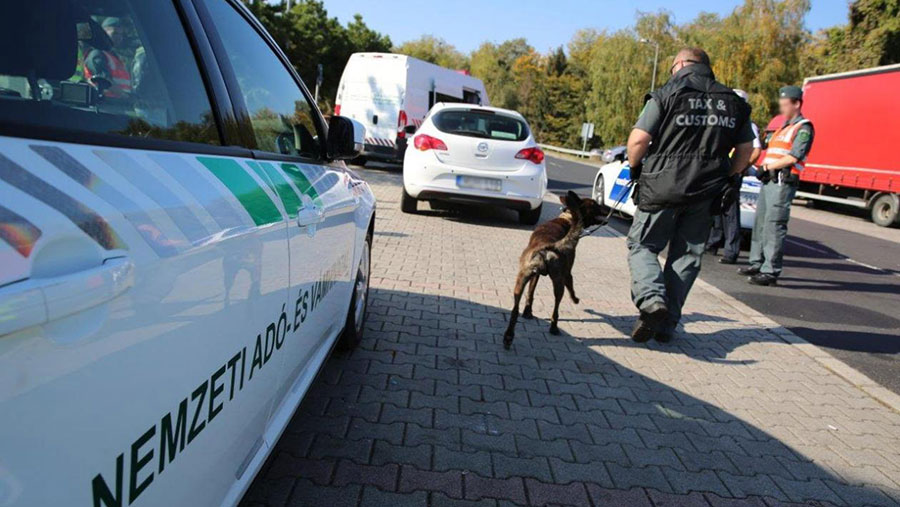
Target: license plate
[476, 183]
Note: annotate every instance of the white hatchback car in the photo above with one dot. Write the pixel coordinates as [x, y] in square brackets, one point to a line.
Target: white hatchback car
[473, 154]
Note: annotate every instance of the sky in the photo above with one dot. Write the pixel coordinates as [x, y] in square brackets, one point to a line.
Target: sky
[468, 23]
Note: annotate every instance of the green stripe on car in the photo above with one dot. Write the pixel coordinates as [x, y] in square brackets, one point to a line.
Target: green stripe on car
[251, 196]
[279, 185]
[302, 182]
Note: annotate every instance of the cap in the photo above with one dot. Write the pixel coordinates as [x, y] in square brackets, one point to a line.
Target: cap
[790, 92]
[742, 94]
[110, 21]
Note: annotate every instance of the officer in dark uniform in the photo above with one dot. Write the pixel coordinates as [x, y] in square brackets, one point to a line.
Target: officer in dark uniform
[780, 173]
[694, 123]
[726, 229]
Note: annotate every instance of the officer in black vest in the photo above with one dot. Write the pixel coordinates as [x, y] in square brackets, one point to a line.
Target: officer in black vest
[693, 122]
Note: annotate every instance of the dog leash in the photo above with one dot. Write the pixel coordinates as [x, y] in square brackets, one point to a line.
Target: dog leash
[616, 203]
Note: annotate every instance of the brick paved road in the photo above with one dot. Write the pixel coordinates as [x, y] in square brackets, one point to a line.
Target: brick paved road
[432, 411]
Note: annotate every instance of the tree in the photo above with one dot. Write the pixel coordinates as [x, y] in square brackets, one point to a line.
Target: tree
[530, 81]
[493, 64]
[870, 38]
[362, 38]
[434, 50]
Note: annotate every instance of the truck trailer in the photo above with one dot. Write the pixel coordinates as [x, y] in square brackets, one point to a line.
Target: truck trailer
[854, 158]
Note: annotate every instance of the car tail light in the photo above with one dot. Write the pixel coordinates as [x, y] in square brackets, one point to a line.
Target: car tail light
[424, 142]
[401, 124]
[535, 155]
[337, 109]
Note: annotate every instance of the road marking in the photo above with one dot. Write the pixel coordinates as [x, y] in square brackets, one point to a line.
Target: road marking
[841, 257]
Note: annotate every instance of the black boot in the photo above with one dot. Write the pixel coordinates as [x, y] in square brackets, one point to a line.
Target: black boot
[728, 260]
[650, 320]
[749, 270]
[763, 279]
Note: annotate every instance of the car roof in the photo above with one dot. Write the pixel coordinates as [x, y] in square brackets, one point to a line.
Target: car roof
[440, 106]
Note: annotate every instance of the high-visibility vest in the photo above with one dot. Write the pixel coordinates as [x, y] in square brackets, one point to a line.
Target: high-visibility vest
[781, 144]
[119, 75]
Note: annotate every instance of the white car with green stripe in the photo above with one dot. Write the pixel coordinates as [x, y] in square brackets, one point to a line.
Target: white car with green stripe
[177, 256]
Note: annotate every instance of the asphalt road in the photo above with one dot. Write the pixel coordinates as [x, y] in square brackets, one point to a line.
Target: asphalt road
[840, 289]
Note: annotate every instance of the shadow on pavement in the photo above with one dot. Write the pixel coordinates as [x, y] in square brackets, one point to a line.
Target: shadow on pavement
[431, 409]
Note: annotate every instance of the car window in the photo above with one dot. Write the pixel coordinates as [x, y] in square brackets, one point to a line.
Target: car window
[122, 67]
[282, 117]
[481, 123]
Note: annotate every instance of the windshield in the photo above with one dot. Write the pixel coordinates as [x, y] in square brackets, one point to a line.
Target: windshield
[112, 67]
[481, 123]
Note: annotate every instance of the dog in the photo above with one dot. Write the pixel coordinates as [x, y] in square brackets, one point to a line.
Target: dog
[551, 252]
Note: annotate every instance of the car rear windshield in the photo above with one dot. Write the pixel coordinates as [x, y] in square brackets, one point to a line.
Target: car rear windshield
[481, 123]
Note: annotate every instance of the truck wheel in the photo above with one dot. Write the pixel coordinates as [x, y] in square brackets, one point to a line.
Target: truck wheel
[408, 204]
[886, 210]
[356, 316]
[531, 217]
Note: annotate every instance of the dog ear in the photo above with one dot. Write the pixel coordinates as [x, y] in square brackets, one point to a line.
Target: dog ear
[572, 201]
[562, 199]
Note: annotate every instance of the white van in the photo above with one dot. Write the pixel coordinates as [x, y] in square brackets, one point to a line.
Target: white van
[391, 94]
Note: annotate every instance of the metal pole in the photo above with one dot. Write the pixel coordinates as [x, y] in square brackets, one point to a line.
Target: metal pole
[655, 61]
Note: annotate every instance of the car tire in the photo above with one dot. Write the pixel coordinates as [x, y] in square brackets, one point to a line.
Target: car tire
[531, 216]
[356, 315]
[886, 210]
[599, 191]
[408, 204]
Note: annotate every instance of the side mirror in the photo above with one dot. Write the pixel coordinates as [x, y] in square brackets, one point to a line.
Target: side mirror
[410, 129]
[345, 138]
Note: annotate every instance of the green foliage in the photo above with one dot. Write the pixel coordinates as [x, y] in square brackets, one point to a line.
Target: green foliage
[494, 65]
[870, 38]
[434, 50]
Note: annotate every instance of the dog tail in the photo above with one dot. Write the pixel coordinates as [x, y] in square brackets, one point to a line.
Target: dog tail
[573, 234]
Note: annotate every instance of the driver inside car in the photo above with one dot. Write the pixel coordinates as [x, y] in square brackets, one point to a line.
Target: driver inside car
[106, 69]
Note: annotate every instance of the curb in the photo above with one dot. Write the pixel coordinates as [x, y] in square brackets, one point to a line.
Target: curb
[850, 375]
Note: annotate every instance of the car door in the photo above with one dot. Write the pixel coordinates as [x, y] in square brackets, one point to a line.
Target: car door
[144, 270]
[287, 137]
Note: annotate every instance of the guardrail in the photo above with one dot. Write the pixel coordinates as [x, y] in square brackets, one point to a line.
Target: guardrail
[579, 153]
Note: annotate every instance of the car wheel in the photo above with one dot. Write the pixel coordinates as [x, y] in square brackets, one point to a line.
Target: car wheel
[408, 204]
[886, 210]
[356, 317]
[531, 216]
[599, 190]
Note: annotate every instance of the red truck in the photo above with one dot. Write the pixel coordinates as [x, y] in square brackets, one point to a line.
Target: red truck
[855, 157]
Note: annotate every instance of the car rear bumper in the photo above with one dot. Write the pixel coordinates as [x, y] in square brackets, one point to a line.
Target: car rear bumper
[522, 189]
[504, 202]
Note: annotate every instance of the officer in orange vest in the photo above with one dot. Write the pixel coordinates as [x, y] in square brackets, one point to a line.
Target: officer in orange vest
[780, 174]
